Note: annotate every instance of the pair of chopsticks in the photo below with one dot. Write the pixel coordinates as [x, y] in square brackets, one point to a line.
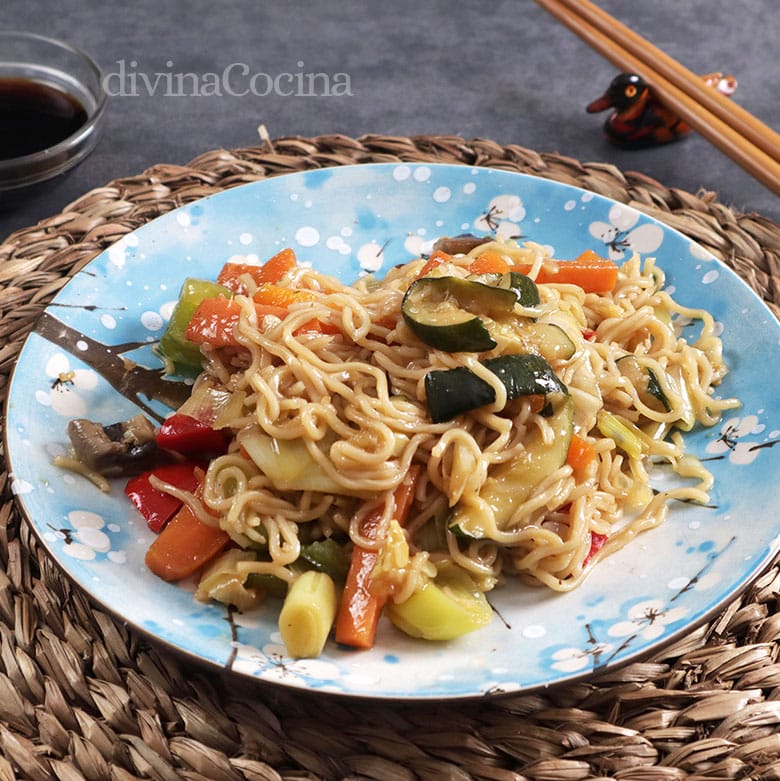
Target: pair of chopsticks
[737, 133]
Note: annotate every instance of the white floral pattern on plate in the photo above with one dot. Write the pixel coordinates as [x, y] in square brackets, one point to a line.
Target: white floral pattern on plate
[350, 221]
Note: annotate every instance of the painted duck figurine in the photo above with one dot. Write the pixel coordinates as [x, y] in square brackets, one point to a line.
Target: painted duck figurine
[639, 120]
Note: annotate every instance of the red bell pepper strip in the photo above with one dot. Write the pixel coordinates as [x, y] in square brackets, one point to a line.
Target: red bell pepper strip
[360, 609]
[190, 437]
[158, 507]
[184, 545]
[597, 542]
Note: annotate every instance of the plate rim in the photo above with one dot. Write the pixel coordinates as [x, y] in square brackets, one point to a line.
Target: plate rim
[591, 673]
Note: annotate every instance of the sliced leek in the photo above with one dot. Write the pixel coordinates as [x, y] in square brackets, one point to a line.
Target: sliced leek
[225, 583]
[307, 614]
[510, 484]
[445, 608]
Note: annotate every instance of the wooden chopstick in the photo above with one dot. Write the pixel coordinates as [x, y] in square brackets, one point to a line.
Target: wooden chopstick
[737, 133]
[732, 113]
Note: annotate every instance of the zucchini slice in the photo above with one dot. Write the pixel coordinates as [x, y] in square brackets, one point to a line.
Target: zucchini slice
[445, 312]
[173, 344]
[523, 286]
[451, 392]
[548, 340]
[510, 484]
[525, 375]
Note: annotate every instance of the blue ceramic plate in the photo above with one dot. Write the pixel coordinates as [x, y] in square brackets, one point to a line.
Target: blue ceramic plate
[347, 221]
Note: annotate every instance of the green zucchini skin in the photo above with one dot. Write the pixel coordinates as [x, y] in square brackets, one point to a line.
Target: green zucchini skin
[525, 375]
[511, 484]
[548, 340]
[451, 392]
[447, 312]
[444, 312]
[525, 289]
[173, 344]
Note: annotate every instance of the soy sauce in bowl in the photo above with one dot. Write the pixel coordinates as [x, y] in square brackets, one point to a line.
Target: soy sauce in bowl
[35, 116]
[52, 106]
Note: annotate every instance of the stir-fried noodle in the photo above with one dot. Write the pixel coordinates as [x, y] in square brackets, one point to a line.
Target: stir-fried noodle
[343, 409]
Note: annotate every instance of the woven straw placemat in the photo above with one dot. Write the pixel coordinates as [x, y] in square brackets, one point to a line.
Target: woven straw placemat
[84, 697]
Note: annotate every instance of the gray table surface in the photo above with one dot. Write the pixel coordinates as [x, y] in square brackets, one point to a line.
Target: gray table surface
[501, 70]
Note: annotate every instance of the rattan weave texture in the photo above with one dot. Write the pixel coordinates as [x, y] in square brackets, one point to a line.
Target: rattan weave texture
[83, 697]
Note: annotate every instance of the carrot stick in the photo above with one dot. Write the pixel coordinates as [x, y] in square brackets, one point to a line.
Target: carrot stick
[277, 266]
[489, 262]
[277, 295]
[184, 545]
[231, 274]
[270, 272]
[589, 271]
[581, 454]
[214, 320]
[315, 326]
[435, 260]
[360, 609]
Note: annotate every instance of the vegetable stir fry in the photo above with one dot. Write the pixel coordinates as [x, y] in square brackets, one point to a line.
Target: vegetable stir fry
[400, 447]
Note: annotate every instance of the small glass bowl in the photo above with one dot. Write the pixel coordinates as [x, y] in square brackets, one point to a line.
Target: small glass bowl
[62, 66]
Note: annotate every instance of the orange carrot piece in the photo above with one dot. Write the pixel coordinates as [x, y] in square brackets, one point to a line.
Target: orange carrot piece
[277, 295]
[360, 609]
[214, 320]
[581, 454]
[270, 272]
[489, 262]
[261, 310]
[434, 261]
[315, 326]
[277, 266]
[184, 545]
[387, 321]
[283, 297]
[230, 275]
[588, 270]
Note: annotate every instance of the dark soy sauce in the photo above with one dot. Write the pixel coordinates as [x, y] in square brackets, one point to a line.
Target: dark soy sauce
[35, 116]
